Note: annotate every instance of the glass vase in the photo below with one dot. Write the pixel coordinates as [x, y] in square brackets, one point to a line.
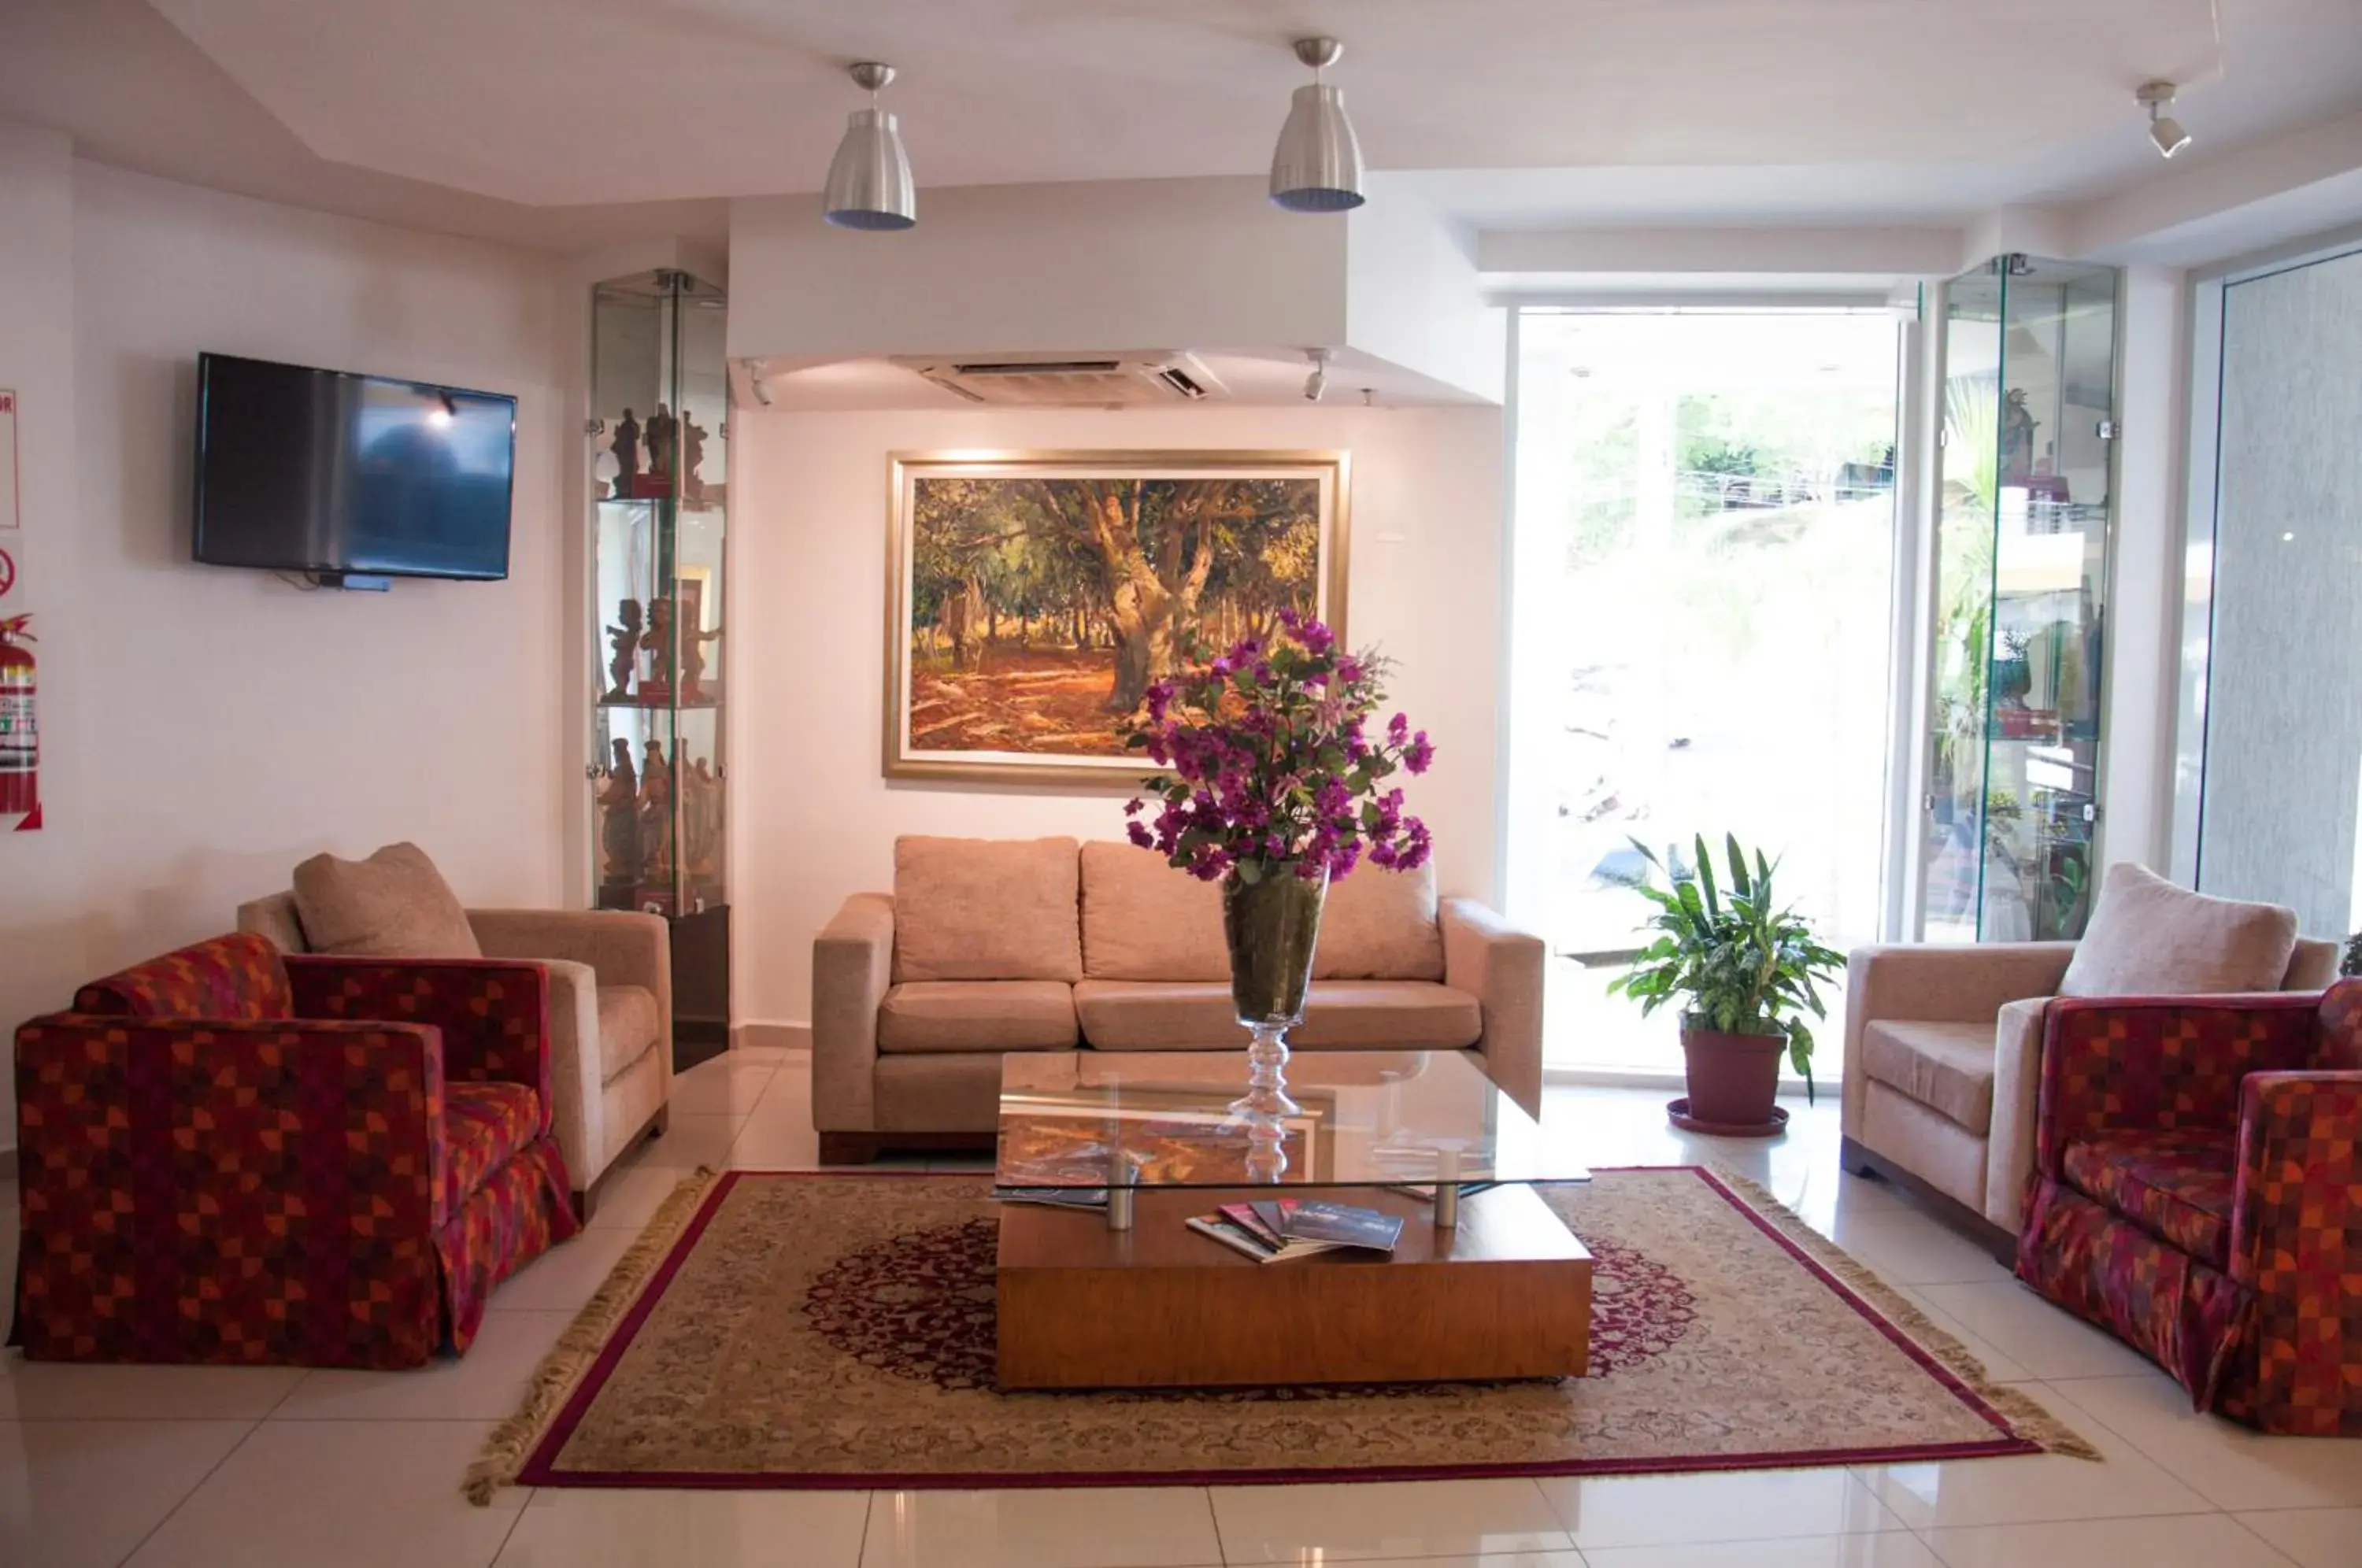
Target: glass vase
[1272, 924]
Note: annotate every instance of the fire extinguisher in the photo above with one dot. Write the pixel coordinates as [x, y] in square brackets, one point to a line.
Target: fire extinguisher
[20, 744]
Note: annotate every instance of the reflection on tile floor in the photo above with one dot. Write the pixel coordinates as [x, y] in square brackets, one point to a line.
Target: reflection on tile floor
[197, 1466]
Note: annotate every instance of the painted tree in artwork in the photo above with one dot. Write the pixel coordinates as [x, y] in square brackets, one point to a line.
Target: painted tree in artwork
[1090, 582]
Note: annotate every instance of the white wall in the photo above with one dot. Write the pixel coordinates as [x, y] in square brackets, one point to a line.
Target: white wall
[44, 940]
[814, 819]
[207, 728]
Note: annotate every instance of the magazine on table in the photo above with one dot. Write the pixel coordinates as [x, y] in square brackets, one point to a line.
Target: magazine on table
[1239, 1239]
[1053, 1197]
[1338, 1224]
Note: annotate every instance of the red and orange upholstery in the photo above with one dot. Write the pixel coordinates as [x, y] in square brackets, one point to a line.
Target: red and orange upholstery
[2197, 1192]
[227, 1156]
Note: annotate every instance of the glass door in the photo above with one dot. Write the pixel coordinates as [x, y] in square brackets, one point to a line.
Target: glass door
[2011, 805]
[1707, 499]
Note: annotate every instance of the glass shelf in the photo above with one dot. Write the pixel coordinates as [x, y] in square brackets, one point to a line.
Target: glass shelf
[2022, 569]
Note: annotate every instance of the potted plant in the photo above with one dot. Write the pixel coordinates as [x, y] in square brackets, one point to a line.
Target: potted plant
[1276, 789]
[1749, 970]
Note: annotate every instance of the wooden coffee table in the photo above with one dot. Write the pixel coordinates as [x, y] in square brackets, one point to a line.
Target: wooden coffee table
[1504, 1293]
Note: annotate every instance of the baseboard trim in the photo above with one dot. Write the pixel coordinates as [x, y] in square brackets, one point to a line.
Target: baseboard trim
[779, 1036]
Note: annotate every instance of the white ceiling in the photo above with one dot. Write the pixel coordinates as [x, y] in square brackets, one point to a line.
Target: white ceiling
[561, 122]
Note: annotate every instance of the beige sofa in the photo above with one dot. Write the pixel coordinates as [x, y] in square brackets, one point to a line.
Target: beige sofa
[988, 946]
[610, 1018]
[1943, 1048]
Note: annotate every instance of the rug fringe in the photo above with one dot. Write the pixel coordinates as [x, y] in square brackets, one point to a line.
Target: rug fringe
[2026, 1417]
[577, 1348]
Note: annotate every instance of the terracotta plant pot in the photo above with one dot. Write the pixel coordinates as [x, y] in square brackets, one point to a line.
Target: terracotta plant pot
[1733, 1078]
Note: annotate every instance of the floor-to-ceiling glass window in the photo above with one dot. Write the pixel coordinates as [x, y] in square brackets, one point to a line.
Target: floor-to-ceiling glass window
[1706, 521]
[2271, 734]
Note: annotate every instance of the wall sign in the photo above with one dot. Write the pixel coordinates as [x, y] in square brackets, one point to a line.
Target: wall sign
[7, 458]
[7, 573]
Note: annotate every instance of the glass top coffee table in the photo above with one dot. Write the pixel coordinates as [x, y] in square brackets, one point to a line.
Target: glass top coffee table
[1127, 1121]
[1487, 1280]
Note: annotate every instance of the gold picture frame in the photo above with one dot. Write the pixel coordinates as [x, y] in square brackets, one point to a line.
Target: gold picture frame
[1053, 540]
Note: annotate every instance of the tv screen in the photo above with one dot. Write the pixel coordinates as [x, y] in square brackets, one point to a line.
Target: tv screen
[325, 472]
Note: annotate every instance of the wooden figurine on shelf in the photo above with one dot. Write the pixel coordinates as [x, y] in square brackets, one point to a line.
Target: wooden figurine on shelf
[619, 821]
[657, 641]
[655, 818]
[692, 663]
[625, 642]
[692, 454]
[664, 435]
[701, 819]
[627, 453]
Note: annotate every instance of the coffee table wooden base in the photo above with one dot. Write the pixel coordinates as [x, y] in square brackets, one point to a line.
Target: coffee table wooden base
[1505, 1294]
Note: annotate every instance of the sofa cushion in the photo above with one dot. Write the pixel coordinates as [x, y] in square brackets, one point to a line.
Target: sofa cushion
[2175, 1182]
[977, 1015]
[1339, 1015]
[1145, 920]
[394, 904]
[2149, 938]
[483, 1124]
[1948, 1067]
[628, 1025]
[1380, 925]
[986, 908]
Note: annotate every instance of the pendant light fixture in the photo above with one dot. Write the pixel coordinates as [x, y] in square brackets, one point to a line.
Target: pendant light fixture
[870, 183]
[1317, 168]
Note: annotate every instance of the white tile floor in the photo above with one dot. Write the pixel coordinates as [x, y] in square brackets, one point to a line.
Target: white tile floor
[165, 1466]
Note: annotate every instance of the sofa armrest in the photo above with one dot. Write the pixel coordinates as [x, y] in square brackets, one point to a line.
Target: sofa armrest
[1928, 983]
[151, 1149]
[576, 1108]
[853, 964]
[2156, 1062]
[1502, 968]
[621, 948]
[2294, 1238]
[493, 1013]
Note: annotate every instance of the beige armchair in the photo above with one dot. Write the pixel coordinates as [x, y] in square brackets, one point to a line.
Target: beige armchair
[611, 1018]
[1943, 1045]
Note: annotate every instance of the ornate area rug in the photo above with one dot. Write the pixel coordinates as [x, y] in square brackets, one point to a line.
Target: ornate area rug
[812, 1330]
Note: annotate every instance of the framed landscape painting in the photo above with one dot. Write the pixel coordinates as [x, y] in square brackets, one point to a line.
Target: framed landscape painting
[1034, 597]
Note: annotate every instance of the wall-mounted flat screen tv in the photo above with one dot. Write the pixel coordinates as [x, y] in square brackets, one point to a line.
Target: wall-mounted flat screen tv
[339, 474]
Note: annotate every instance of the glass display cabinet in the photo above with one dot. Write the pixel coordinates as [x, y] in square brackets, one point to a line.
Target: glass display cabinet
[659, 499]
[2022, 533]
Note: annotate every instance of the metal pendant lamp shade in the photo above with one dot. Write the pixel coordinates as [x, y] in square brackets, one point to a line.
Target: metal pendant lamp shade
[1317, 168]
[869, 185]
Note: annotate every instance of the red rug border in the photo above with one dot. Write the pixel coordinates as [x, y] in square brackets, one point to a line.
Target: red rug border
[539, 1469]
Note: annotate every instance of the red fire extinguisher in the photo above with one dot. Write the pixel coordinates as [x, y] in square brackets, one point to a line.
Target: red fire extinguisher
[20, 743]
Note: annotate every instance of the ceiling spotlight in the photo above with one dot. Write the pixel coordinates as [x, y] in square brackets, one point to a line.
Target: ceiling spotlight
[869, 180]
[2163, 129]
[1318, 381]
[1317, 168]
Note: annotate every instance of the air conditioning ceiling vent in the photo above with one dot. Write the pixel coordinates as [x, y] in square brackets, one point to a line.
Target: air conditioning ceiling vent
[1072, 380]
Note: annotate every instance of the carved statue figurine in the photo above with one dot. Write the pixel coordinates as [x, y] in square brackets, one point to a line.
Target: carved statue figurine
[702, 813]
[627, 453]
[618, 821]
[656, 817]
[692, 663]
[664, 432]
[625, 642]
[658, 642]
[692, 454]
[2017, 427]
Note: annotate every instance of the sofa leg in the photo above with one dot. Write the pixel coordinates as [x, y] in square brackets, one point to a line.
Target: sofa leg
[847, 1148]
[1855, 1160]
[585, 1201]
[660, 1124]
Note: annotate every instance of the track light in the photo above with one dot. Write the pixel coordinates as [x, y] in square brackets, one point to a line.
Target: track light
[869, 180]
[2163, 129]
[1316, 167]
[1318, 381]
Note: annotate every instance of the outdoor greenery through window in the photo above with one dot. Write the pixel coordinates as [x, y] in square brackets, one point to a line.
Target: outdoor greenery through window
[1710, 496]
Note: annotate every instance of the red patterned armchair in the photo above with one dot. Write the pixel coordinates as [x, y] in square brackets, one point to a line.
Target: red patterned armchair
[229, 1156]
[2197, 1192]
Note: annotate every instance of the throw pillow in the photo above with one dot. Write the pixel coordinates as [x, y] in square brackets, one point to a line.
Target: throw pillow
[393, 905]
[986, 909]
[2149, 937]
[1380, 925]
